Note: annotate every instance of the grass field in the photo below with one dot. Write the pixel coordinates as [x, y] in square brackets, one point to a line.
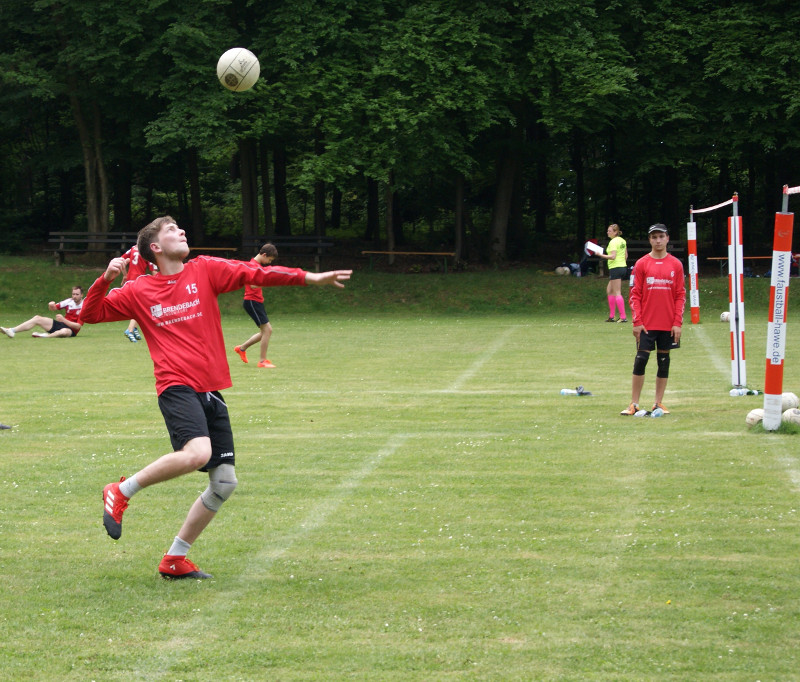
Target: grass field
[416, 500]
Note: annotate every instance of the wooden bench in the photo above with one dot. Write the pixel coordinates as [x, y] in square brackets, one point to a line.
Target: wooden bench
[113, 243]
[723, 261]
[316, 244]
[214, 250]
[439, 254]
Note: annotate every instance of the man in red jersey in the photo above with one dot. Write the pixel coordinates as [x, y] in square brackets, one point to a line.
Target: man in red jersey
[253, 305]
[63, 327]
[178, 313]
[657, 299]
[137, 266]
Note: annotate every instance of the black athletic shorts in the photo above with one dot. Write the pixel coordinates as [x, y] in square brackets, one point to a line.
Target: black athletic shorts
[618, 273]
[189, 414]
[655, 339]
[255, 309]
[60, 325]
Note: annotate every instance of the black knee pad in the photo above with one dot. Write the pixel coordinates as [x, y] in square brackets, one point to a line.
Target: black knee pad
[640, 362]
[663, 365]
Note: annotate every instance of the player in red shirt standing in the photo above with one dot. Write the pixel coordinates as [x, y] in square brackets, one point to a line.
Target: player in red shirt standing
[657, 299]
[178, 313]
[63, 327]
[253, 305]
[137, 266]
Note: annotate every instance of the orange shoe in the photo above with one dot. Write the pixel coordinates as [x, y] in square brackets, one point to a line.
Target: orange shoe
[266, 363]
[633, 408]
[661, 405]
[242, 354]
[174, 567]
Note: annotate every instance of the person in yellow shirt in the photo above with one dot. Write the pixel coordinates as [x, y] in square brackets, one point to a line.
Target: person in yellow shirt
[616, 254]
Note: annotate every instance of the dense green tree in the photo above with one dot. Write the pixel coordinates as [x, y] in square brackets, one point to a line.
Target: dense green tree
[492, 124]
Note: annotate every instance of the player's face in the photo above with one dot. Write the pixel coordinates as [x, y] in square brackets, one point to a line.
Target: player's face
[77, 295]
[172, 241]
[612, 231]
[658, 240]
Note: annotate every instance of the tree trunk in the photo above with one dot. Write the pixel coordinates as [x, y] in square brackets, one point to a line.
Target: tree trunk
[266, 201]
[282, 223]
[390, 237]
[612, 208]
[102, 177]
[249, 174]
[94, 174]
[576, 152]
[196, 206]
[373, 214]
[336, 209]
[498, 229]
[123, 216]
[319, 190]
[459, 218]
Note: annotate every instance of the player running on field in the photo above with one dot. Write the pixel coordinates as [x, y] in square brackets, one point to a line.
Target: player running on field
[657, 299]
[178, 313]
[253, 305]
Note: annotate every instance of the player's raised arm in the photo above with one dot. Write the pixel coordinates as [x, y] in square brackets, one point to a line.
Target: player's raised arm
[116, 267]
[333, 277]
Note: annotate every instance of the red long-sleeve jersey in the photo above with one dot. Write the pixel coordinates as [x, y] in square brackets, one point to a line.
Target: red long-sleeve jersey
[138, 266]
[179, 316]
[252, 293]
[658, 295]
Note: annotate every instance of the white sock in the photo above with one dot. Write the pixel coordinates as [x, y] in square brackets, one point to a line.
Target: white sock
[179, 547]
[129, 487]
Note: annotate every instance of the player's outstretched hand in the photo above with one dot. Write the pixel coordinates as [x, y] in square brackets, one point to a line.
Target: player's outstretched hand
[334, 277]
[116, 267]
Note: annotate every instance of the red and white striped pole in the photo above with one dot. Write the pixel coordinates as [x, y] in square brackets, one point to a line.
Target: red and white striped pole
[736, 297]
[778, 304]
[691, 246]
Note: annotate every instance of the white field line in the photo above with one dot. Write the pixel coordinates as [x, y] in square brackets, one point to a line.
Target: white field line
[793, 470]
[722, 364]
[259, 564]
[476, 366]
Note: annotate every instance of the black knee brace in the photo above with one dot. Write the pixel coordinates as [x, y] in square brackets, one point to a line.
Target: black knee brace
[663, 365]
[640, 362]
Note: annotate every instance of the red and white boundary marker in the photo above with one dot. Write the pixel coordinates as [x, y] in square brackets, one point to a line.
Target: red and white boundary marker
[778, 305]
[735, 285]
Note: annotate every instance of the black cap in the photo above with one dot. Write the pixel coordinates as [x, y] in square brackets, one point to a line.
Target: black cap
[658, 227]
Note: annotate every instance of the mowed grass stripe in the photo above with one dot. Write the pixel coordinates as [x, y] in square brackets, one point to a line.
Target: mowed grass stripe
[510, 532]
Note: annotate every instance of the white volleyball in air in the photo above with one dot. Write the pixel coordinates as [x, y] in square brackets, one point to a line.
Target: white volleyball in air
[238, 69]
[725, 317]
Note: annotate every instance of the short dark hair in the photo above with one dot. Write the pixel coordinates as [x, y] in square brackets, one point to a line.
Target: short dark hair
[148, 234]
[79, 288]
[269, 250]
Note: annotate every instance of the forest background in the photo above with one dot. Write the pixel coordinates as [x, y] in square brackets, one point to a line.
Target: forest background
[496, 129]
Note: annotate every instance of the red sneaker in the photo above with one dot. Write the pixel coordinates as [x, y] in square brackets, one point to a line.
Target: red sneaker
[242, 353]
[175, 567]
[114, 503]
[266, 363]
